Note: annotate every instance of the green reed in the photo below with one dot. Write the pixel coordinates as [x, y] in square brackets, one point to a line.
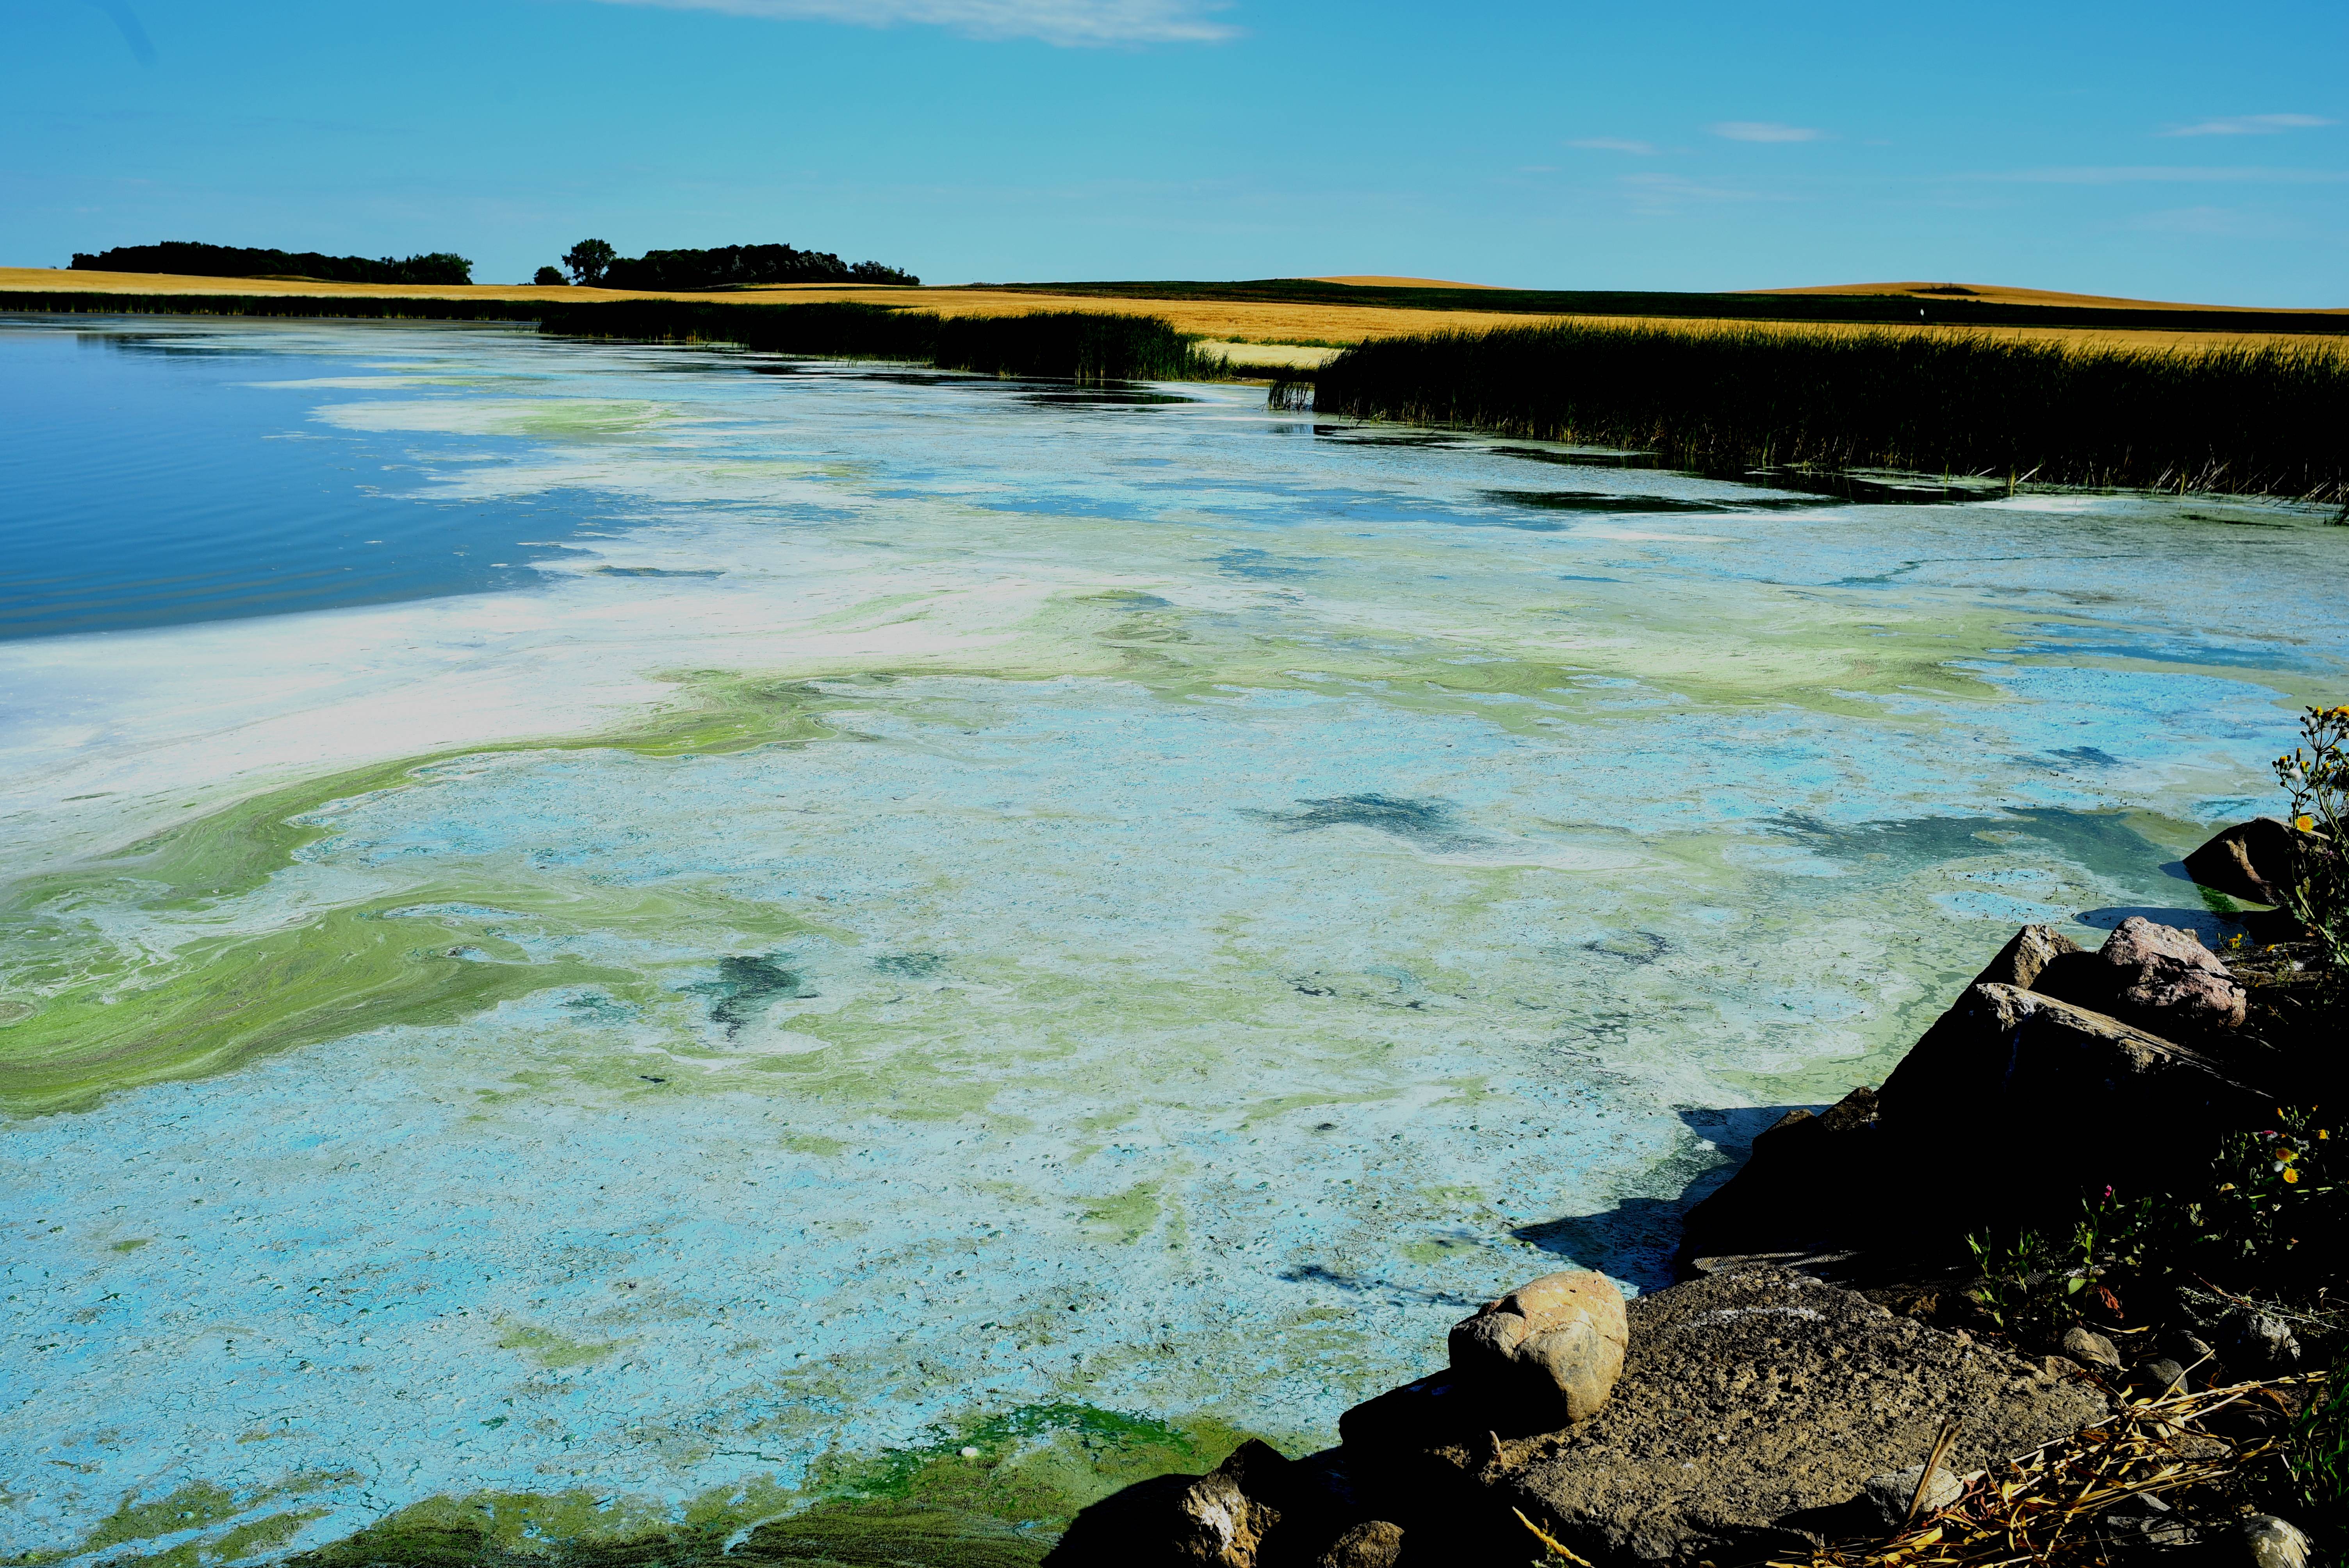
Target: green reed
[2262, 419]
[1079, 345]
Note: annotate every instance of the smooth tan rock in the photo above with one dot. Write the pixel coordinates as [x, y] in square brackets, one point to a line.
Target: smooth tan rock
[2272, 1543]
[1552, 1349]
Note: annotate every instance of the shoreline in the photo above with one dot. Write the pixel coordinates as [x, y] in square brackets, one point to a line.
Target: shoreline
[1338, 313]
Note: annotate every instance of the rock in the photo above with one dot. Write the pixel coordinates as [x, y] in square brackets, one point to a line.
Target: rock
[2254, 861]
[1545, 1354]
[1806, 1186]
[2150, 1522]
[2160, 1378]
[1887, 1496]
[2259, 1344]
[1745, 1398]
[2272, 1543]
[2081, 978]
[1377, 1544]
[1220, 1518]
[2090, 1349]
[2166, 973]
[1133, 1528]
[1217, 1523]
[2021, 961]
[2021, 1101]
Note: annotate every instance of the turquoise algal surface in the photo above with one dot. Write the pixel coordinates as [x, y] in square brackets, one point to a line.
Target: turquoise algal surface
[901, 906]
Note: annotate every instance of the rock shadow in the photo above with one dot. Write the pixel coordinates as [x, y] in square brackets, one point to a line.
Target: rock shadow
[1635, 1241]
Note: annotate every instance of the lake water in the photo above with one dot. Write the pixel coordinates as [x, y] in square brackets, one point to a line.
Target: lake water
[602, 935]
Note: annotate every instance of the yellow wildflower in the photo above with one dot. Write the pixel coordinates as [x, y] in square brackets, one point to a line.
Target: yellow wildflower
[2291, 1177]
[2305, 823]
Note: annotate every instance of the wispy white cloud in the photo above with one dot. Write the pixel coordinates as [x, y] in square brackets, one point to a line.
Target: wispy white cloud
[1766, 131]
[2251, 125]
[2171, 174]
[2226, 223]
[1069, 23]
[1614, 144]
[1656, 195]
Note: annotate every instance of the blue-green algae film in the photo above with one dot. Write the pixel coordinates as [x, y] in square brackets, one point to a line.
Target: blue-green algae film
[875, 948]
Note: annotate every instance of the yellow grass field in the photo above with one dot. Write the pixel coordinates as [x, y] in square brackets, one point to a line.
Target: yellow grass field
[1236, 323]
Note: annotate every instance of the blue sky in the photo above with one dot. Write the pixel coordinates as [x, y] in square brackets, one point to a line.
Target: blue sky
[2151, 148]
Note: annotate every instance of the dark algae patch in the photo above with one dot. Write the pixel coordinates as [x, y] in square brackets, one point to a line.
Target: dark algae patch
[746, 987]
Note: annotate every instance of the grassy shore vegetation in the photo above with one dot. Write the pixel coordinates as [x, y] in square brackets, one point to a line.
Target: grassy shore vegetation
[1733, 399]
[1078, 346]
[189, 259]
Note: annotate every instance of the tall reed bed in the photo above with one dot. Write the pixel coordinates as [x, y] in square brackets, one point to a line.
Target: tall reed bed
[2266, 419]
[1076, 345]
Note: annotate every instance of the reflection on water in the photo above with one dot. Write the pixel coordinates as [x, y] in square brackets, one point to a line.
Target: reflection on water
[926, 906]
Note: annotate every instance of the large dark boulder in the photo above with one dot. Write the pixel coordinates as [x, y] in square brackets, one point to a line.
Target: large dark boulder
[2022, 1101]
[1259, 1508]
[1753, 1410]
[1808, 1188]
[2254, 861]
[2013, 1104]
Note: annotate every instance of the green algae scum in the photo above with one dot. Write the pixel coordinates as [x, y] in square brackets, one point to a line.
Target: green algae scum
[678, 952]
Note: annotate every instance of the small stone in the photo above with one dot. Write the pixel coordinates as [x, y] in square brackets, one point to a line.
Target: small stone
[970, 1453]
[2162, 1377]
[1888, 1495]
[1548, 1352]
[1377, 1544]
[2261, 1343]
[2159, 1525]
[2168, 972]
[2090, 1349]
[1215, 1523]
[2272, 1543]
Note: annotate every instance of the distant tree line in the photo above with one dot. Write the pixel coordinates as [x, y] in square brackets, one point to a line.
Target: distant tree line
[593, 261]
[201, 260]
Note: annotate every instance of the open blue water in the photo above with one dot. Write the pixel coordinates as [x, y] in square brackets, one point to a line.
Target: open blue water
[830, 910]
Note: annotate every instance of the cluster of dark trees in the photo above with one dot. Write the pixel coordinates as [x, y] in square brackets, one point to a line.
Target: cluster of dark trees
[193, 260]
[593, 261]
